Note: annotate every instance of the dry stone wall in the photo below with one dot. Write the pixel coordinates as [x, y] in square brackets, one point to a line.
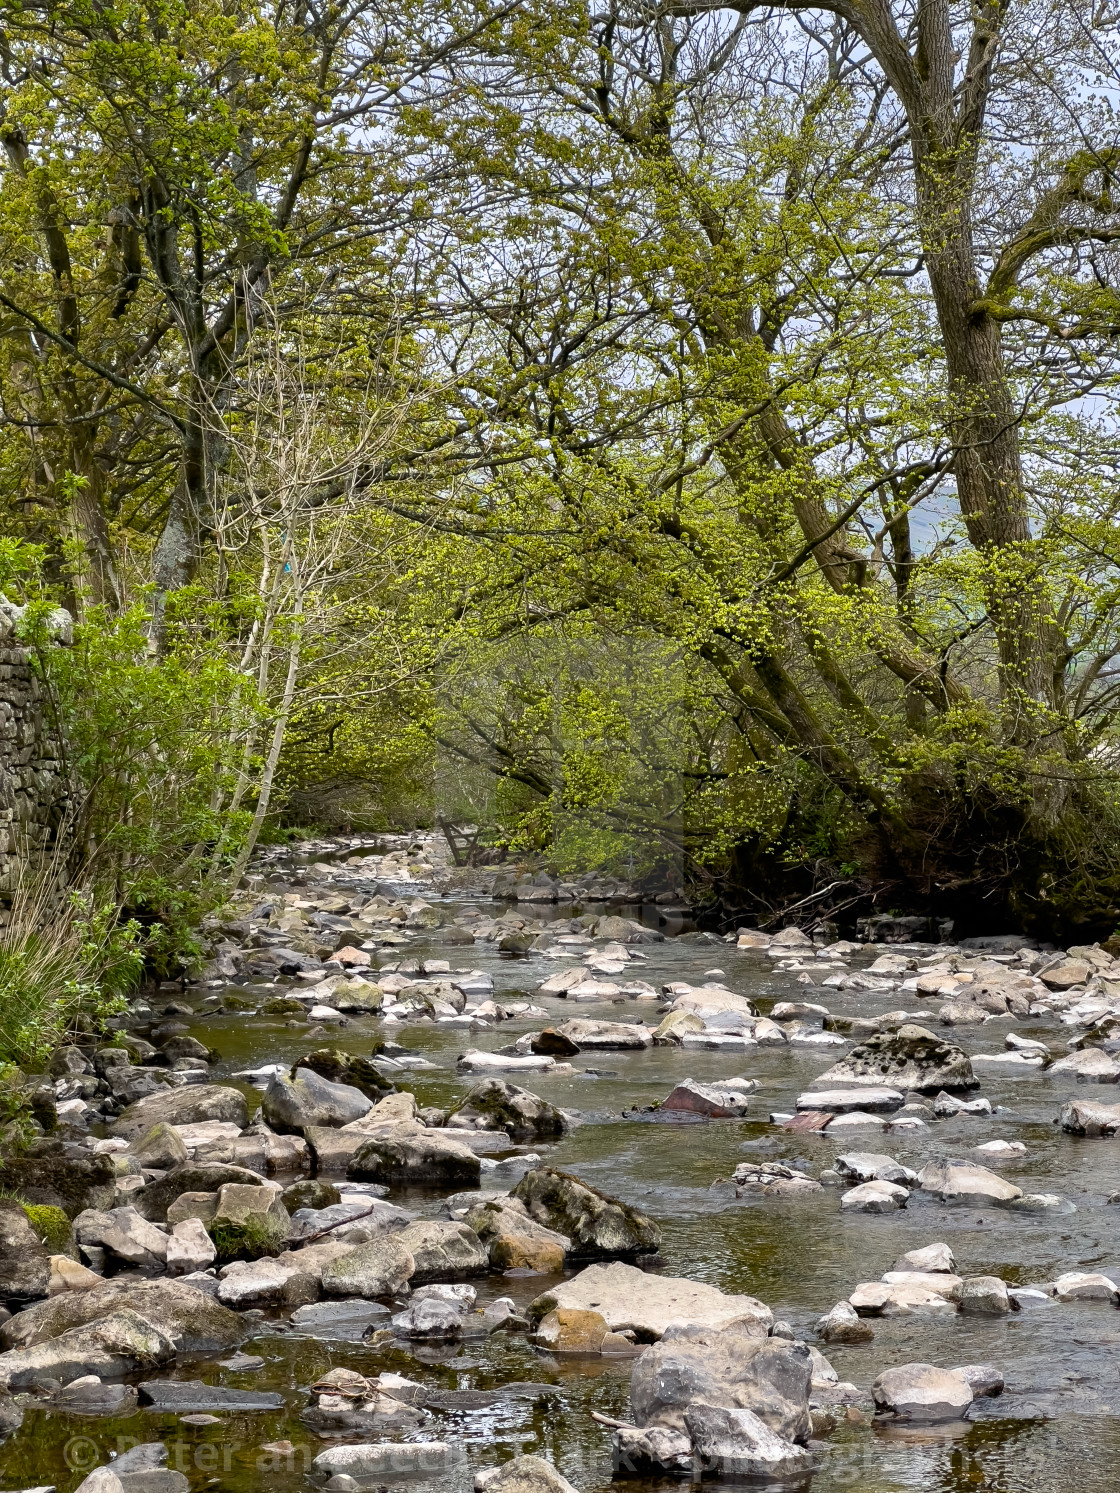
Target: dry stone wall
[33, 798]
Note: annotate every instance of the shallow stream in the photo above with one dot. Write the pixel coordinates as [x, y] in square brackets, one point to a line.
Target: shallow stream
[1056, 1427]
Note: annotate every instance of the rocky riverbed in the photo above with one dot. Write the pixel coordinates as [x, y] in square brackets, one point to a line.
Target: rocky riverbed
[412, 1184]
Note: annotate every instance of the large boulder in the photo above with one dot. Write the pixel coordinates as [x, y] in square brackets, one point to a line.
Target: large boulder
[597, 1225]
[290, 1279]
[739, 1444]
[613, 1036]
[495, 1104]
[190, 1105]
[128, 1237]
[161, 1148]
[523, 1475]
[409, 1154]
[153, 1201]
[965, 1182]
[715, 1100]
[45, 1176]
[250, 1221]
[345, 1068]
[292, 1104]
[910, 1058]
[443, 1251]
[1085, 1117]
[118, 1343]
[733, 1369]
[379, 1268]
[25, 1261]
[632, 1300]
[920, 1392]
[515, 1240]
[192, 1320]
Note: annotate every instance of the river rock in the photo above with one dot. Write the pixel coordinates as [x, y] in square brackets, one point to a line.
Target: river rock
[410, 1154]
[443, 1251]
[25, 1268]
[251, 1219]
[869, 1166]
[674, 1026]
[984, 1379]
[725, 1367]
[381, 1458]
[192, 1320]
[379, 1268]
[846, 1101]
[118, 1343]
[901, 1299]
[630, 1300]
[495, 1104]
[515, 1240]
[571, 1330]
[608, 1036]
[710, 1002]
[932, 1258]
[182, 1396]
[550, 1043]
[125, 1234]
[773, 1179]
[739, 1444]
[161, 1147]
[712, 1099]
[477, 1061]
[596, 1224]
[1078, 1285]
[949, 1287]
[910, 1058]
[1091, 1065]
[964, 1182]
[1084, 1117]
[155, 1200]
[346, 1068]
[293, 1278]
[1065, 976]
[921, 1393]
[189, 1247]
[310, 1193]
[522, 1475]
[186, 1106]
[843, 1324]
[985, 1295]
[291, 1104]
[875, 1197]
[68, 1275]
[44, 1175]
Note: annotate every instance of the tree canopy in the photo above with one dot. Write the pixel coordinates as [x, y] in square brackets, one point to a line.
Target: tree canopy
[682, 437]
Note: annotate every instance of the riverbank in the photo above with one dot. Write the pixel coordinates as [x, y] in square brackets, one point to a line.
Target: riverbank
[755, 1189]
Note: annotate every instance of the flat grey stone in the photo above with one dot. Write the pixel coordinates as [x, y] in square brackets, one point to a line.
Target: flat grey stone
[192, 1394]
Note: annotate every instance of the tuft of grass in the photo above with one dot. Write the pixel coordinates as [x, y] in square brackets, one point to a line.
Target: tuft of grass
[252, 1240]
[65, 965]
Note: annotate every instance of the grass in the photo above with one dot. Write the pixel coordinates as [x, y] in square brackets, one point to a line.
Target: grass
[65, 964]
[251, 1240]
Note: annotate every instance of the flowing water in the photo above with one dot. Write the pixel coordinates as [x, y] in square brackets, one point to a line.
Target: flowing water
[1056, 1427]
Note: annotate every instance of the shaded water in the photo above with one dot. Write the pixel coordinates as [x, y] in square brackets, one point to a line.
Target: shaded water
[1057, 1425]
